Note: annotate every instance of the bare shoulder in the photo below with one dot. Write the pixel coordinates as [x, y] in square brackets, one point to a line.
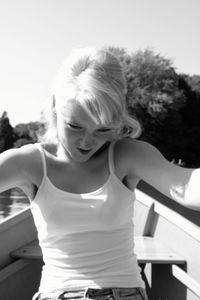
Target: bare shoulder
[50, 148]
[131, 147]
[19, 167]
[126, 151]
[17, 156]
[34, 161]
[28, 159]
[137, 156]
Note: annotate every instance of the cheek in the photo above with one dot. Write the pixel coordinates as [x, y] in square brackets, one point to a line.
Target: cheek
[105, 138]
[72, 136]
[65, 134]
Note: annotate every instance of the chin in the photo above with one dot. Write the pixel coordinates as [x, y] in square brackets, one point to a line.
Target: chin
[78, 157]
[101, 149]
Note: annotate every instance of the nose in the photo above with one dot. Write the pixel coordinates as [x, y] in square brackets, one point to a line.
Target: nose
[87, 141]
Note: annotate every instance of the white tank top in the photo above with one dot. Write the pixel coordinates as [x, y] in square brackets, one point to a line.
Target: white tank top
[86, 239]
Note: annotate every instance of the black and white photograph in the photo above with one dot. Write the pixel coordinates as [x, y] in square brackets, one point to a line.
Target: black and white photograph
[99, 149]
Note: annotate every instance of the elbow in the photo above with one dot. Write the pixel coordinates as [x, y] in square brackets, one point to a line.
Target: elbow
[191, 197]
[192, 202]
[186, 198]
[188, 194]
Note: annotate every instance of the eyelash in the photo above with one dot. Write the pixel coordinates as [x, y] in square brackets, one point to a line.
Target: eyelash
[76, 127]
[104, 130]
[73, 126]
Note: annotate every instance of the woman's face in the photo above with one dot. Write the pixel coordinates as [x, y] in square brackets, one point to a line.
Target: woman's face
[79, 135]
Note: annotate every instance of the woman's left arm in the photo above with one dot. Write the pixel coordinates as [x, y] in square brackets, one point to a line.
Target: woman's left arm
[178, 183]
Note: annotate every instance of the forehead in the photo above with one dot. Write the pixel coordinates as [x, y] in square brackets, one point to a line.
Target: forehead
[72, 110]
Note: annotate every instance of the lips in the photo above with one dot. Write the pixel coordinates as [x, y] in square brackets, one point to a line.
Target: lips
[84, 151]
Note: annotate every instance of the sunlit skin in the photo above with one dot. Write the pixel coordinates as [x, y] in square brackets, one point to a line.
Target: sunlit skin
[80, 135]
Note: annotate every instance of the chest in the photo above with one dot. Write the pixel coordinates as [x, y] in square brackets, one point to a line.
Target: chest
[108, 208]
[80, 180]
[87, 179]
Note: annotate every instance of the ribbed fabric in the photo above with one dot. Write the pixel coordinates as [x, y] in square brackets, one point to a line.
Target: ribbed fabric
[86, 239]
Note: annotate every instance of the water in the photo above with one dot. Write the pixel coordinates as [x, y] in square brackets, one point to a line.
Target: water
[11, 202]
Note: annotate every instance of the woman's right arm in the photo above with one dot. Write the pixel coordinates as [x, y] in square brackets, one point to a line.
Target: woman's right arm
[13, 168]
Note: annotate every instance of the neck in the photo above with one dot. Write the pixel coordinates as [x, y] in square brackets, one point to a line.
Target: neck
[63, 155]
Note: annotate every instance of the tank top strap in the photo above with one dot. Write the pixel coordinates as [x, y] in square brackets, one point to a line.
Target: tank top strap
[44, 165]
[111, 158]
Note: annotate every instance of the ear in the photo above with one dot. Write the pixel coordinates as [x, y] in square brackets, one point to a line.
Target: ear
[117, 134]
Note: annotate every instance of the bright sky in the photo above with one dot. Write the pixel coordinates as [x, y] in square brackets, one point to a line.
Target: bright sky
[36, 36]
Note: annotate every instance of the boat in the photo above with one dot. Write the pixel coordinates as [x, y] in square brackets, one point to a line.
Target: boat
[167, 244]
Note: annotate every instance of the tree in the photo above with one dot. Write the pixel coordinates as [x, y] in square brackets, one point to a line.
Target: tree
[152, 83]
[27, 133]
[7, 136]
[193, 82]
[154, 98]
[190, 115]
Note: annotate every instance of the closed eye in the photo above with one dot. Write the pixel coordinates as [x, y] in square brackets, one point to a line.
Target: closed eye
[74, 126]
[104, 130]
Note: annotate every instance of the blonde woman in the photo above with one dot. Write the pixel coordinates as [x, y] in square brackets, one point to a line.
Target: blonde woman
[81, 179]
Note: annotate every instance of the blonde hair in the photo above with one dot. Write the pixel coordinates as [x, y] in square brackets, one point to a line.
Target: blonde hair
[95, 78]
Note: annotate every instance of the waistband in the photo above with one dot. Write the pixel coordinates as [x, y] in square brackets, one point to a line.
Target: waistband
[91, 293]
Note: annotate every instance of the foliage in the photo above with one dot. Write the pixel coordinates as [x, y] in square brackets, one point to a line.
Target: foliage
[152, 83]
[166, 104]
[27, 133]
[193, 82]
[190, 114]
[21, 134]
[7, 136]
